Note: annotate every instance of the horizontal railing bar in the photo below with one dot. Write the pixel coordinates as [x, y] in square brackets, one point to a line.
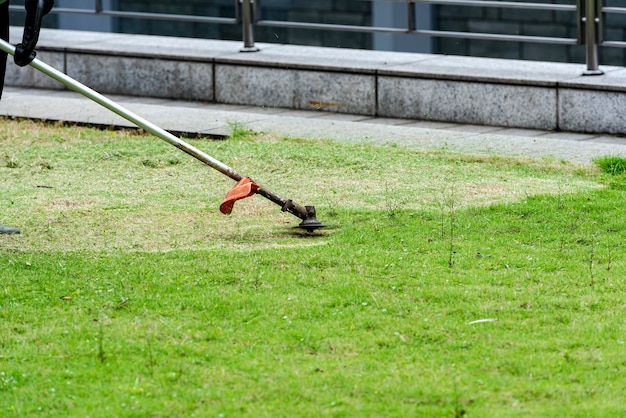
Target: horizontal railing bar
[499, 37]
[327, 26]
[171, 17]
[618, 10]
[494, 36]
[449, 34]
[503, 4]
[618, 44]
[140, 15]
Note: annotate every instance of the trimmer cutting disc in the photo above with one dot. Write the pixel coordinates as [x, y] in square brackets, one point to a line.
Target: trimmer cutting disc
[310, 223]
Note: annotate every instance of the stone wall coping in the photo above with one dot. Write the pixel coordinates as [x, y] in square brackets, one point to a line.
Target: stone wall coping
[614, 79]
[130, 45]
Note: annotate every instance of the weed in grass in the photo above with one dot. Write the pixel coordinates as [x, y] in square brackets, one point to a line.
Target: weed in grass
[151, 361]
[148, 162]
[459, 408]
[10, 161]
[451, 236]
[448, 225]
[612, 164]
[239, 130]
[615, 167]
[42, 164]
[332, 204]
[592, 254]
[393, 201]
[100, 340]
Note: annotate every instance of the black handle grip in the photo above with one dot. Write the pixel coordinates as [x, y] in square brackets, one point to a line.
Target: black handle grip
[35, 11]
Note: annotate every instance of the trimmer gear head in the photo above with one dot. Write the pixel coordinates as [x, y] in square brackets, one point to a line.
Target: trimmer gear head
[310, 223]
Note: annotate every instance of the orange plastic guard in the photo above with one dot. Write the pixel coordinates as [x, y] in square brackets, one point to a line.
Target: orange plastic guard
[244, 188]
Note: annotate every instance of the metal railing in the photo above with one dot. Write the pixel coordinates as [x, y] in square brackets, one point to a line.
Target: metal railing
[587, 15]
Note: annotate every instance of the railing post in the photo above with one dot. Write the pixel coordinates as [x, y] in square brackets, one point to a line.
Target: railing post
[592, 25]
[411, 24]
[98, 6]
[247, 20]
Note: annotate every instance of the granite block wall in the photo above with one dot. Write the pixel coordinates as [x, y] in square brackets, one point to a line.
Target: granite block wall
[468, 102]
[158, 77]
[297, 89]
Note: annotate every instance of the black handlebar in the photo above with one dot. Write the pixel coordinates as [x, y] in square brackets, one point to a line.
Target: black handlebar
[35, 11]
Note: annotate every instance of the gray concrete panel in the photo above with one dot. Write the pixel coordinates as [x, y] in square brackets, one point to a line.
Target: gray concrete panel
[464, 102]
[592, 111]
[309, 90]
[254, 86]
[336, 92]
[144, 77]
[29, 77]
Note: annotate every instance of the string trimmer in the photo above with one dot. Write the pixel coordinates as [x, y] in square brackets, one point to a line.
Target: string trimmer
[245, 186]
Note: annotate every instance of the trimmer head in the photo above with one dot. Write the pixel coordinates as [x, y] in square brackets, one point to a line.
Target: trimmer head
[310, 223]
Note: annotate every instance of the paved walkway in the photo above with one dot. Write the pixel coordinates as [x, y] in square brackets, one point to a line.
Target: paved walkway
[216, 119]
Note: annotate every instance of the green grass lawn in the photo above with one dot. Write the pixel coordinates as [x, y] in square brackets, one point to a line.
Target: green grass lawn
[449, 286]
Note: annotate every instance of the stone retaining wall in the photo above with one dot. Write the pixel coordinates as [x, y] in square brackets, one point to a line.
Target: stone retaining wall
[485, 91]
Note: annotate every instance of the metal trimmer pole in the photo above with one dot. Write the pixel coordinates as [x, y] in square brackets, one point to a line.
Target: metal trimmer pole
[285, 204]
